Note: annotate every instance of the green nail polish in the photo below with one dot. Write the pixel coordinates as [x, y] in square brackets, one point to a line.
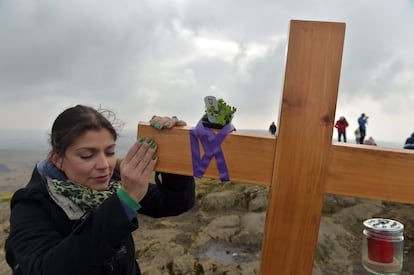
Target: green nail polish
[141, 140]
[167, 124]
[153, 145]
[149, 140]
[154, 157]
[157, 126]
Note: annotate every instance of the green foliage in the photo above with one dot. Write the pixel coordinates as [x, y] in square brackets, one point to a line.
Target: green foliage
[6, 196]
[224, 114]
[198, 268]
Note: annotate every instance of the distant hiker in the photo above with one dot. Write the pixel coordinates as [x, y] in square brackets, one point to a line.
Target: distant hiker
[357, 134]
[362, 121]
[409, 142]
[341, 125]
[272, 128]
[370, 141]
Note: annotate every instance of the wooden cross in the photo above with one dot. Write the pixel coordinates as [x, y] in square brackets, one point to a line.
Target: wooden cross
[301, 164]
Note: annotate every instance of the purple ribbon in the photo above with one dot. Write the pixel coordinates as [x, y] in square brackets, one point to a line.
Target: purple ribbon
[212, 147]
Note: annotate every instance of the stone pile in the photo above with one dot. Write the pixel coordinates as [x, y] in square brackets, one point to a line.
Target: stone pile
[223, 233]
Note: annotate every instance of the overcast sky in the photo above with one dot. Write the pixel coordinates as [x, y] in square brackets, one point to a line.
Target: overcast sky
[140, 58]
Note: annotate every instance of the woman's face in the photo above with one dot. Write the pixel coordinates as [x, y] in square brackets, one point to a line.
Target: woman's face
[90, 160]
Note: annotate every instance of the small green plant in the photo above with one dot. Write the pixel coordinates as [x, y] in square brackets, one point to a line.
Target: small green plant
[223, 114]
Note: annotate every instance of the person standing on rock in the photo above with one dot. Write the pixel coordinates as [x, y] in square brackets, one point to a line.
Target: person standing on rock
[357, 135]
[77, 213]
[341, 124]
[362, 122]
[272, 128]
[409, 142]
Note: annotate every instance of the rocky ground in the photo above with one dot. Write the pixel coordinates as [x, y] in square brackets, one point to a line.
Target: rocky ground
[223, 233]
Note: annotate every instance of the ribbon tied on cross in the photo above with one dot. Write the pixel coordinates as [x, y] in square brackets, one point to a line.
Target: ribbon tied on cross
[211, 143]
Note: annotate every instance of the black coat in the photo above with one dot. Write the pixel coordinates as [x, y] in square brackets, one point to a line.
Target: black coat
[409, 143]
[43, 241]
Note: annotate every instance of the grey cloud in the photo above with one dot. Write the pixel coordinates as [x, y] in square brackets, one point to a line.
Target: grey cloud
[141, 57]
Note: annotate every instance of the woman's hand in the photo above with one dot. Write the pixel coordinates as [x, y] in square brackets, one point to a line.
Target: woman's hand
[161, 122]
[139, 162]
[137, 166]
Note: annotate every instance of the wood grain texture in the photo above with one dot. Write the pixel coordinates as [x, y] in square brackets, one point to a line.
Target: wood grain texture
[353, 170]
[371, 172]
[249, 158]
[302, 151]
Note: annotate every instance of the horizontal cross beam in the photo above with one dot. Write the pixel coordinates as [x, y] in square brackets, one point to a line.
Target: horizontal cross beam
[371, 172]
[249, 158]
[354, 170]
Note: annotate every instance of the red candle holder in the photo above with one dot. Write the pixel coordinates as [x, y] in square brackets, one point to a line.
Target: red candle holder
[382, 250]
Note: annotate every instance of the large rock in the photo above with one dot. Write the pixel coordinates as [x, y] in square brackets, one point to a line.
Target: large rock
[251, 230]
[224, 200]
[257, 198]
[223, 228]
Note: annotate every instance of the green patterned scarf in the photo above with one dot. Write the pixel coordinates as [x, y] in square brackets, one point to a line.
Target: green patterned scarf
[84, 197]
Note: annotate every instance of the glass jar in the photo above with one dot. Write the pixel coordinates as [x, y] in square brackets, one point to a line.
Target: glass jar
[383, 246]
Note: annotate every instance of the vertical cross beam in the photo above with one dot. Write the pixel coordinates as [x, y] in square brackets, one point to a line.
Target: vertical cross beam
[303, 144]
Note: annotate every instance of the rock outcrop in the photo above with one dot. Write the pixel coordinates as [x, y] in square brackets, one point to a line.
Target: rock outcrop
[223, 233]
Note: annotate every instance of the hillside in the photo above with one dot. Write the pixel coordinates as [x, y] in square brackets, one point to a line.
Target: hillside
[223, 233]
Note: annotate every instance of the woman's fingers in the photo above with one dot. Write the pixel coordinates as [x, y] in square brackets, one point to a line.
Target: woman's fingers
[149, 167]
[144, 152]
[148, 161]
[139, 155]
[159, 122]
[137, 166]
[179, 122]
[137, 152]
[132, 151]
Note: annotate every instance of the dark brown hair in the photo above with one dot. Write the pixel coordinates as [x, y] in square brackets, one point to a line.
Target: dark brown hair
[75, 121]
